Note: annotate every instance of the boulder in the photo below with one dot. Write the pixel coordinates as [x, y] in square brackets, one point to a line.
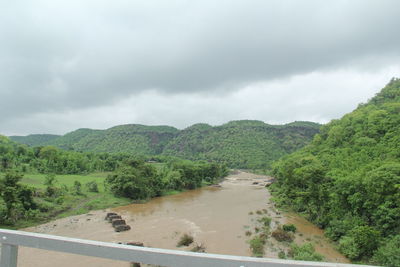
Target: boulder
[109, 214]
[117, 222]
[113, 217]
[121, 228]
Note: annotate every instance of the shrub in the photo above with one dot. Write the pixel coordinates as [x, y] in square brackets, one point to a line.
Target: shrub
[389, 253]
[185, 240]
[289, 228]
[359, 242]
[266, 221]
[257, 246]
[304, 252]
[348, 247]
[282, 254]
[92, 187]
[51, 191]
[280, 235]
[77, 188]
[199, 248]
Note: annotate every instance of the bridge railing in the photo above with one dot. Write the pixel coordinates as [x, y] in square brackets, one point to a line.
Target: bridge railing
[10, 241]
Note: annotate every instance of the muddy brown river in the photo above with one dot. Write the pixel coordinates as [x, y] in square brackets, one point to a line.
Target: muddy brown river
[217, 218]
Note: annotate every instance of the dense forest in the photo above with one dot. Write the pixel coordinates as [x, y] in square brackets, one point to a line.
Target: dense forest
[238, 144]
[241, 144]
[347, 180]
[42, 195]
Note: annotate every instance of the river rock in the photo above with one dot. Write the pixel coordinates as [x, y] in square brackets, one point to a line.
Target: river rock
[113, 217]
[109, 214]
[117, 222]
[121, 228]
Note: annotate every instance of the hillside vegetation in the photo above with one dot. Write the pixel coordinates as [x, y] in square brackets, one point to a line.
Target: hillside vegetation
[239, 144]
[347, 179]
[136, 139]
[35, 139]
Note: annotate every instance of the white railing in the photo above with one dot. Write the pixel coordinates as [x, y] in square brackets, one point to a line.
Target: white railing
[10, 240]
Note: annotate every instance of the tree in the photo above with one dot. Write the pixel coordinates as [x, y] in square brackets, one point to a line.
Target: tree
[135, 180]
[17, 198]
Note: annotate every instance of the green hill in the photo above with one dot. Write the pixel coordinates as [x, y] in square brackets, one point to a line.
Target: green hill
[131, 138]
[35, 139]
[347, 179]
[240, 144]
[71, 140]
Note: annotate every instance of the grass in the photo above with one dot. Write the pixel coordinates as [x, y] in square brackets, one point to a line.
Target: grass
[171, 192]
[37, 180]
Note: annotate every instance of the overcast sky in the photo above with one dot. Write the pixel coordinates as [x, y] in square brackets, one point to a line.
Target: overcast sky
[95, 64]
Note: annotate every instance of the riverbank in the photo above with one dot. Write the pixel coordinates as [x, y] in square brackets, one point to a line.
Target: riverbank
[216, 216]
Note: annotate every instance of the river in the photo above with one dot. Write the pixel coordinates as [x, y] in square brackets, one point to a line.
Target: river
[217, 218]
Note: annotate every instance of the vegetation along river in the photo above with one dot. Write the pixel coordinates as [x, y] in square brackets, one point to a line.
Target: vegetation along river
[217, 218]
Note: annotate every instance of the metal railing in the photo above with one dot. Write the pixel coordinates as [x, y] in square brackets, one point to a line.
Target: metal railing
[10, 240]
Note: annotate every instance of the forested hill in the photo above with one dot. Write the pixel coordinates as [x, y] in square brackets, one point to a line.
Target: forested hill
[131, 138]
[347, 179]
[35, 139]
[240, 144]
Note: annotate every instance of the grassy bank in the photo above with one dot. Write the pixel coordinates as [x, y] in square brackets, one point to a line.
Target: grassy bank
[69, 202]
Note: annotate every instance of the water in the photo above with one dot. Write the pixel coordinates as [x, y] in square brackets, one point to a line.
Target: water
[217, 218]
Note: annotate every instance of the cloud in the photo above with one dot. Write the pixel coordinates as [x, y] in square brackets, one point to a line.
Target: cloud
[61, 57]
[311, 96]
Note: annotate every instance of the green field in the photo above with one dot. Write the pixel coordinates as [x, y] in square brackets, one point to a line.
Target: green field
[37, 180]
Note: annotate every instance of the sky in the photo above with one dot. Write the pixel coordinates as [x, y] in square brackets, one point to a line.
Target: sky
[75, 64]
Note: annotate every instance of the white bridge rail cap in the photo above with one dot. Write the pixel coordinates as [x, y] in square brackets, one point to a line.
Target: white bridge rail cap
[10, 240]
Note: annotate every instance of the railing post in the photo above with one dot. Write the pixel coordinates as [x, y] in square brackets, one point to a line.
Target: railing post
[9, 254]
